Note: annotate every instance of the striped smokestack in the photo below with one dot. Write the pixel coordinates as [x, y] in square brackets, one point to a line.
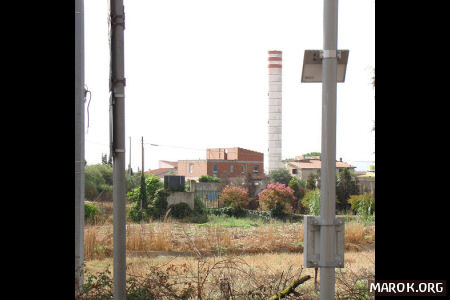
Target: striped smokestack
[274, 110]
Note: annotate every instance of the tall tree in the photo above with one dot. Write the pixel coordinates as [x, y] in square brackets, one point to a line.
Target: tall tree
[345, 187]
[280, 175]
[143, 194]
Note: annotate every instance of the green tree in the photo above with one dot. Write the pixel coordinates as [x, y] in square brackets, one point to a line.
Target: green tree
[311, 202]
[313, 154]
[280, 175]
[299, 191]
[98, 182]
[152, 184]
[104, 159]
[143, 194]
[345, 187]
[311, 181]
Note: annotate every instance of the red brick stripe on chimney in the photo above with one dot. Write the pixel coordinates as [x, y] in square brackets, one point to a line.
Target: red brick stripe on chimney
[274, 58]
[274, 66]
[274, 52]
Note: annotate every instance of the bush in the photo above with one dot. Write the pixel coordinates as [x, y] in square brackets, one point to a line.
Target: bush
[311, 202]
[180, 210]
[311, 181]
[137, 215]
[152, 184]
[278, 199]
[233, 196]
[299, 192]
[363, 205]
[206, 178]
[160, 203]
[90, 212]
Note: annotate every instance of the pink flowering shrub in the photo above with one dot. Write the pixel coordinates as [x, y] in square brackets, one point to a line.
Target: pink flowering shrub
[278, 198]
[234, 196]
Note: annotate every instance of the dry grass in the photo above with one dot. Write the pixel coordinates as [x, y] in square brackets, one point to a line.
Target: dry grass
[144, 239]
[262, 273]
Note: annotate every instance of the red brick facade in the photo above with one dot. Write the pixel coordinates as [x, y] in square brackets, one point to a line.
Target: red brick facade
[220, 162]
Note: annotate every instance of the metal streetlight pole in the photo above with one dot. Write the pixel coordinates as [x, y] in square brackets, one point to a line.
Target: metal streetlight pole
[328, 166]
[117, 93]
[79, 144]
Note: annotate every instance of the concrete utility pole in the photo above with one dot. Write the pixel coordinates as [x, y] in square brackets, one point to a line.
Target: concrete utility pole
[117, 92]
[328, 169]
[79, 144]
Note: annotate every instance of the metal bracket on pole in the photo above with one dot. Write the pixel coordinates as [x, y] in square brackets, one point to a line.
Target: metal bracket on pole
[330, 54]
[118, 20]
[311, 242]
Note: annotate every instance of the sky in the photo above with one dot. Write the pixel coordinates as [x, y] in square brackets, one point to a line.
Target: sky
[197, 77]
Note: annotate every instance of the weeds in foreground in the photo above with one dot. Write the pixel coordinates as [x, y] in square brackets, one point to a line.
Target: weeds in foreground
[216, 278]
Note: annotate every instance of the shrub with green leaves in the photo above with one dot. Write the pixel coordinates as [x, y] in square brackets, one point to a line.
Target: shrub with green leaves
[311, 202]
[180, 210]
[280, 175]
[312, 181]
[90, 212]
[137, 215]
[299, 192]
[152, 184]
[160, 203]
[362, 205]
[206, 178]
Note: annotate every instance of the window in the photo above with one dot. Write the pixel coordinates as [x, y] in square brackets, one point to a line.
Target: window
[190, 168]
[294, 171]
[256, 169]
[232, 169]
[214, 170]
[243, 169]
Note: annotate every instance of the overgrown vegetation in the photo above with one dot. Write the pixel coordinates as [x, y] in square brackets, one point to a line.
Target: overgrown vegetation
[311, 202]
[90, 212]
[299, 192]
[236, 198]
[206, 178]
[280, 175]
[277, 198]
[345, 187]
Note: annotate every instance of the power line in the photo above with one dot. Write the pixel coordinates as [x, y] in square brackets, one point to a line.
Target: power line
[172, 146]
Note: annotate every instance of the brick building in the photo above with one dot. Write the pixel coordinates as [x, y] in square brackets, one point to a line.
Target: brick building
[221, 162]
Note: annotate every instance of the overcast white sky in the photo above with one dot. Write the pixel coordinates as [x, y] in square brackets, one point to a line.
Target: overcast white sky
[197, 77]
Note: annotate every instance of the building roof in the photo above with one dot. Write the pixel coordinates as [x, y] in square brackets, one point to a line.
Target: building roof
[368, 174]
[160, 172]
[316, 164]
[172, 163]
